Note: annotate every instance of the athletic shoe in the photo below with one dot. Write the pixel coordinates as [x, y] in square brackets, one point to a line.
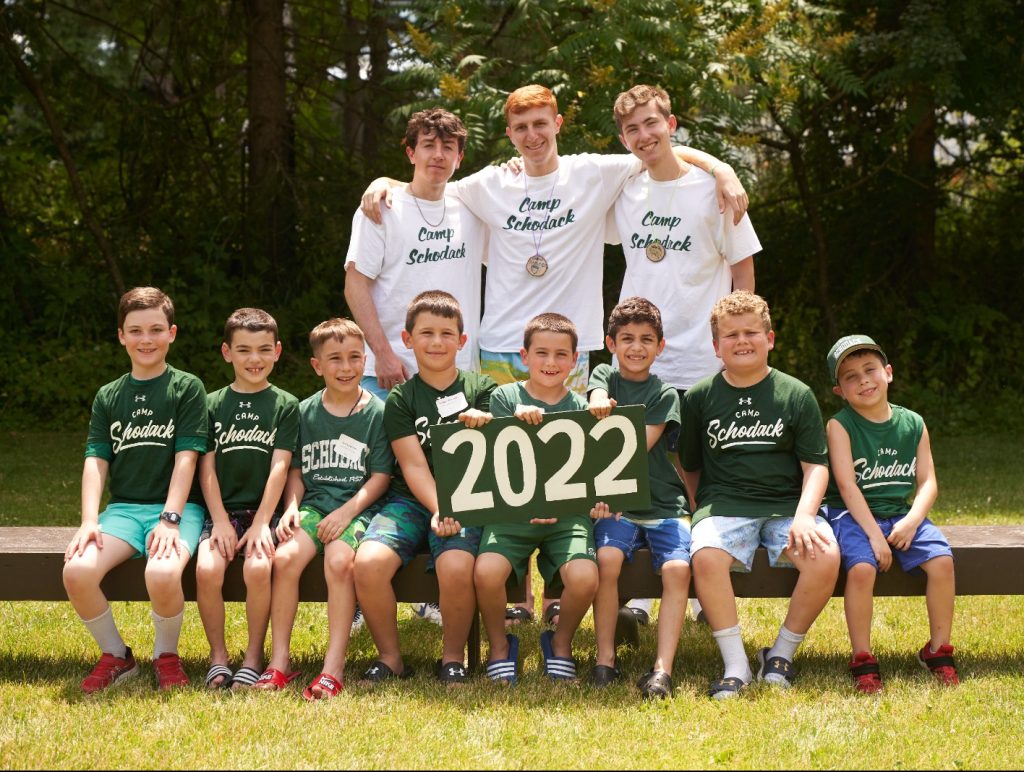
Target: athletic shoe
[357, 621]
[866, 675]
[169, 672]
[642, 609]
[775, 670]
[940, 663]
[110, 670]
[429, 611]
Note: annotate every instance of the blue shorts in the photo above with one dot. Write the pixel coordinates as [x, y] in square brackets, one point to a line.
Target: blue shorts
[369, 382]
[741, 536]
[403, 525]
[668, 539]
[928, 541]
[133, 523]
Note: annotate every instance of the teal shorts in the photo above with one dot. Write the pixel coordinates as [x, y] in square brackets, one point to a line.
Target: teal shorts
[309, 519]
[571, 538]
[133, 523]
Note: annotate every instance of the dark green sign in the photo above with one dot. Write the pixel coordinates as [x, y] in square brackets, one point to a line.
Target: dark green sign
[509, 471]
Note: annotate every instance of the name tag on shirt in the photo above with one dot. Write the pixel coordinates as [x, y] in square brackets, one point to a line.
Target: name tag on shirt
[451, 405]
[350, 448]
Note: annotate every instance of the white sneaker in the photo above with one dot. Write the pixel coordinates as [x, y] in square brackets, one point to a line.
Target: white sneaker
[357, 621]
[429, 611]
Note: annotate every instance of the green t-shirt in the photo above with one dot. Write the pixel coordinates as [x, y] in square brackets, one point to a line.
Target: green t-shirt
[245, 430]
[884, 459]
[414, 406]
[661, 403]
[748, 444]
[138, 426]
[337, 455]
[507, 397]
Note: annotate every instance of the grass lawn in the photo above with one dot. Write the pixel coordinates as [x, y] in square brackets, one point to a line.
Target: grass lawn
[46, 722]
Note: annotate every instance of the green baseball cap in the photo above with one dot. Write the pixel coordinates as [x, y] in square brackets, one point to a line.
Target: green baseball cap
[845, 346]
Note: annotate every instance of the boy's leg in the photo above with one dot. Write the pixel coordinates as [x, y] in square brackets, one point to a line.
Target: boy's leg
[210, 567]
[375, 566]
[579, 581]
[339, 571]
[82, 577]
[490, 574]
[940, 595]
[858, 604]
[675, 581]
[454, 569]
[606, 601]
[290, 560]
[818, 574]
[257, 571]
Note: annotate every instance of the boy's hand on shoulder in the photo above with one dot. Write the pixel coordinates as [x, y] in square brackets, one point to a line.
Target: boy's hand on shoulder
[804, 537]
[258, 540]
[224, 540]
[902, 534]
[370, 204]
[475, 418]
[601, 405]
[730, 193]
[880, 547]
[513, 165]
[86, 533]
[530, 414]
[444, 526]
[287, 525]
[164, 540]
[600, 511]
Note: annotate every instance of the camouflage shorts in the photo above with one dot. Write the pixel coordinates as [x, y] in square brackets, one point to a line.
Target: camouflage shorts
[403, 525]
[309, 519]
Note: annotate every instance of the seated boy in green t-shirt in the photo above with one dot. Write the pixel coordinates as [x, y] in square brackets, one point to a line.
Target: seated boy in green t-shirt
[341, 467]
[147, 430]
[754, 457]
[566, 544]
[253, 428]
[439, 393]
[636, 337]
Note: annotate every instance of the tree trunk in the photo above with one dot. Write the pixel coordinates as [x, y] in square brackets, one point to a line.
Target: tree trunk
[270, 196]
[921, 170]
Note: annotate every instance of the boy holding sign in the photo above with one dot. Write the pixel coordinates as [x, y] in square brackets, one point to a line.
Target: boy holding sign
[438, 393]
[636, 338]
[566, 544]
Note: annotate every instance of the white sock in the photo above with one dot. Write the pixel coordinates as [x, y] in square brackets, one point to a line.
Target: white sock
[646, 604]
[785, 645]
[730, 643]
[168, 630]
[104, 631]
[695, 607]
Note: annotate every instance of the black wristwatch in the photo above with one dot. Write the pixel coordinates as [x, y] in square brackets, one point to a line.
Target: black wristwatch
[171, 517]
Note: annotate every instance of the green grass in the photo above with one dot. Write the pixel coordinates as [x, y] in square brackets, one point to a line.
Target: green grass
[46, 722]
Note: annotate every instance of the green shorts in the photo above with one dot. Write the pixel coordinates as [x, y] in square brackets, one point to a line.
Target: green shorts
[571, 538]
[133, 523]
[310, 518]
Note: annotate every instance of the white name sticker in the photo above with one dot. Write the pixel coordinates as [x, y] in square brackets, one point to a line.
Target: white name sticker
[451, 405]
[349, 448]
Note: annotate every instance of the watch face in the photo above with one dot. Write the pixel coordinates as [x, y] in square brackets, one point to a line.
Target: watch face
[171, 517]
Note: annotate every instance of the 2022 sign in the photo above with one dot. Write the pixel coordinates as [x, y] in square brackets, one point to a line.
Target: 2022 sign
[510, 471]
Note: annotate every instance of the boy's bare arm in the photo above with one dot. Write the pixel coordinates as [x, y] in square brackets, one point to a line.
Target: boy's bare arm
[379, 189]
[389, 368]
[743, 274]
[166, 538]
[94, 476]
[803, 534]
[691, 481]
[413, 461]
[654, 432]
[294, 490]
[728, 188]
[223, 537]
[600, 404]
[258, 538]
[927, 491]
[840, 458]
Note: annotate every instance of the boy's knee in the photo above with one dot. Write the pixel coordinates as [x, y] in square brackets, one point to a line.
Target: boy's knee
[257, 571]
[163, 576]
[373, 566]
[861, 573]
[675, 572]
[580, 576]
[939, 568]
[609, 562]
[78, 577]
[339, 565]
[710, 560]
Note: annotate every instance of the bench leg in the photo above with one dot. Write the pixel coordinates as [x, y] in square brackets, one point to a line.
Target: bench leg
[473, 644]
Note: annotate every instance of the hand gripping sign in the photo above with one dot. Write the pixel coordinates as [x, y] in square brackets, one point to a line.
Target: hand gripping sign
[509, 471]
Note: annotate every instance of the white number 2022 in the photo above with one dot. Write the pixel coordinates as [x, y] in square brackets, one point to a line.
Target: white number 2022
[557, 487]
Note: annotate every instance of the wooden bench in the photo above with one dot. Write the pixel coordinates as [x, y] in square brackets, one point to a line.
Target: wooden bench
[32, 562]
[989, 561]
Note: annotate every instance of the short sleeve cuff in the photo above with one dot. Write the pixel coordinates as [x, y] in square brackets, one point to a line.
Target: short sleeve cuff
[102, 450]
[198, 444]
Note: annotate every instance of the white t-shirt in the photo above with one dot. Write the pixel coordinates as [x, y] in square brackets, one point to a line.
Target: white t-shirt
[695, 273]
[409, 253]
[560, 216]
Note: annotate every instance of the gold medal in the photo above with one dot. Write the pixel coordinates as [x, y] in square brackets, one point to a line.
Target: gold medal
[655, 252]
[536, 266]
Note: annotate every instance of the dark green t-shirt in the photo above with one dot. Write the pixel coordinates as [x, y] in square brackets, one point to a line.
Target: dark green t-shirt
[507, 397]
[138, 426]
[748, 444]
[661, 403]
[414, 406]
[884, 459]
[245, 430]
[337, 455]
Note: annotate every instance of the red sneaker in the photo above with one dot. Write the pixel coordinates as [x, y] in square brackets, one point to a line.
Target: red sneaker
[940, 663]
[866, 675]
[169, 672]
[110, 670]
